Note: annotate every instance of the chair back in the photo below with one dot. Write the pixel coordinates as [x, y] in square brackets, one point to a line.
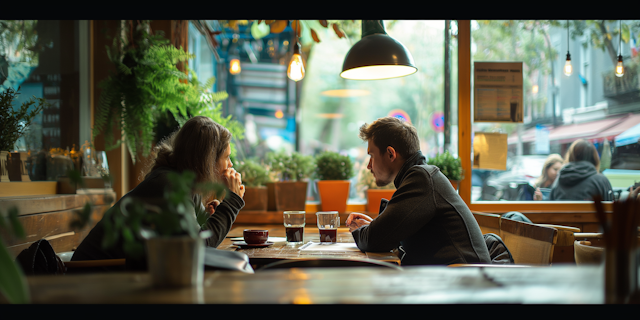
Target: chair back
[488, 222]
[328, 263]
[529, 243]
[563, 252]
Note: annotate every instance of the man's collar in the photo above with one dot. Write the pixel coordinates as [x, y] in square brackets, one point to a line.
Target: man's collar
[417, 158]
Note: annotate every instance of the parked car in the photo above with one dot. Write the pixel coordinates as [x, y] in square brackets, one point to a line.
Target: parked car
[516, 183]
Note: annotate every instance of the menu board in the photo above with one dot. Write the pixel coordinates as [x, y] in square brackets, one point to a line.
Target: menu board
[497, 92]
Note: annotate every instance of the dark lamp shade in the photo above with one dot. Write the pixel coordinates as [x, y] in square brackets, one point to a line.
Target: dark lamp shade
[376, 57]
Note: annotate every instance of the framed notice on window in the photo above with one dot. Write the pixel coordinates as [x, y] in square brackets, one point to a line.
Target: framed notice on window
[497, 92]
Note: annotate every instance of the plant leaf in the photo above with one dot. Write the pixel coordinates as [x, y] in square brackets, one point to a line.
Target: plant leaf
[314, 35]
[13, 284]
[337, 30]
[278, 26]
[324, 23]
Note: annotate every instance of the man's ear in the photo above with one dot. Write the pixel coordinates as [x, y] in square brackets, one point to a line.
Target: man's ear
[391, 153]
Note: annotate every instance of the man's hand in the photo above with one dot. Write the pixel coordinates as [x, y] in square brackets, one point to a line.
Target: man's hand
[356, 220]
[633, 193]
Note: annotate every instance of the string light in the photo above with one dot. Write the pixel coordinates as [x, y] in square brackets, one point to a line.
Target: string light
[619, 65]
[234, 66]
[568, 69]
[295, 71]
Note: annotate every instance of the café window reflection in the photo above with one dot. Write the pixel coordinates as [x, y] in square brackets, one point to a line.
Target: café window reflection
[590, 103]
[41, 58]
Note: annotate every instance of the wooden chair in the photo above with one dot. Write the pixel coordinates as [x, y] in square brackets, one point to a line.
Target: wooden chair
[529, 243]
[563, 252]
[488, 222]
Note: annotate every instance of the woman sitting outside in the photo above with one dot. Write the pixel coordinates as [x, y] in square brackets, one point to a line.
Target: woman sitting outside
[201, 146]
[579, 178]
[548, 175]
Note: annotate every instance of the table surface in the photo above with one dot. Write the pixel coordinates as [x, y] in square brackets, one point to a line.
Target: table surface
[361, 285]
[280, 251]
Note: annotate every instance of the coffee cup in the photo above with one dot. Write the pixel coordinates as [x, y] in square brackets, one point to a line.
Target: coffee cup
[255, 236]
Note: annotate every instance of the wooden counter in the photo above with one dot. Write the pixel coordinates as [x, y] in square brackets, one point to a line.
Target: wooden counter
[49, 216]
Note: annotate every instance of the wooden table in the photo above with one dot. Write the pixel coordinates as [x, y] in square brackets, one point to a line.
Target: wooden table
[361, 285]
[280, 251]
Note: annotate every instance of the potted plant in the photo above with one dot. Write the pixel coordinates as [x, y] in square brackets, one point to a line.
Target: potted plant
[291, 171]
[166, 230]
[255, 177]
[333, 172]
[374, 192]
[449, 166]
[13, 124]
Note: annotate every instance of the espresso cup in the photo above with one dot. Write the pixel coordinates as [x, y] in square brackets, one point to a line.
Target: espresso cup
[255, 236]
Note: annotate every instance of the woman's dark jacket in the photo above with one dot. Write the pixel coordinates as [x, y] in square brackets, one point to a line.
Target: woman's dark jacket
[152, 188]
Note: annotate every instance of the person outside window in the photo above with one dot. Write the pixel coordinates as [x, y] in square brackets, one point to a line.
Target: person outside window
[548, 175]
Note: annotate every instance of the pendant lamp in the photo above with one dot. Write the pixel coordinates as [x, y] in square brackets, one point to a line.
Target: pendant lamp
[377, 56]
[619, 71]
[568, 69]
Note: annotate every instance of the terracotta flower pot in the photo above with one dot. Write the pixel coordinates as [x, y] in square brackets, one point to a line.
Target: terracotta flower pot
[334, 194]
[290, 195]
[255, 198]
[375, 196]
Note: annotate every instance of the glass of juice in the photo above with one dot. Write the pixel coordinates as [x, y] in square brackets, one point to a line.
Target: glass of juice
[294, 222]
[328, 222]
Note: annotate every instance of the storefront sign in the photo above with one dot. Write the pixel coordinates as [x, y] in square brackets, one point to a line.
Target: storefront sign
[498, 92]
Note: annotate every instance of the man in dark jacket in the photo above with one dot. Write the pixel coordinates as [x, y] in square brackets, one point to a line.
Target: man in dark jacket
[425, 218]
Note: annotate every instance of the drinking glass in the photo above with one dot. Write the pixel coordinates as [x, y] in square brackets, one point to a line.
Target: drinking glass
[328, 222]
[294, 222]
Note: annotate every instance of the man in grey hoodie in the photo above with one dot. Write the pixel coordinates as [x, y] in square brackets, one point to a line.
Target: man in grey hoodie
[579, 178]
[425, 218]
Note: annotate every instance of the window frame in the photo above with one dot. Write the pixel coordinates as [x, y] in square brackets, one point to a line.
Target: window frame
[465, 144]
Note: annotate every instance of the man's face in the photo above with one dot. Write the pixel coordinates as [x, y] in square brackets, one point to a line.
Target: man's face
[379, 165]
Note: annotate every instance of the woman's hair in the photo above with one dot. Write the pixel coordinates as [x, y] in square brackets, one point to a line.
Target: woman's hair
[391, 131]
[551, 160]
[583, 150]
[196, 146]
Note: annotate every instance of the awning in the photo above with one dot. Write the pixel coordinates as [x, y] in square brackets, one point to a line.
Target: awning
[605, 128]
[628, 137]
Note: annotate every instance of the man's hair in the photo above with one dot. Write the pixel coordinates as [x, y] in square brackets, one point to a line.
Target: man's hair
[196, 146]
[391, 131]
[583, 150]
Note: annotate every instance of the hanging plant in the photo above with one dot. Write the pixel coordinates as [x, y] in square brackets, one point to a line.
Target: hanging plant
[145, 84]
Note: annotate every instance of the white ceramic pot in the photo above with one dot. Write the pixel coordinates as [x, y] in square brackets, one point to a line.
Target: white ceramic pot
[175, 261]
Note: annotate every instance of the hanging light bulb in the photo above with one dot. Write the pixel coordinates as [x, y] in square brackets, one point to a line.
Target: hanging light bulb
[568, 69]
[295, 71]
[619, 66]
[234, 66]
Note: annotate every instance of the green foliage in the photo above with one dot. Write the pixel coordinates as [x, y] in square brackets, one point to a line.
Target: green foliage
[333, 166]
[253, 173]
[294, 166]
[448, 165]
[14, 123]
[369, 181]
[147, 83]
[13, 284]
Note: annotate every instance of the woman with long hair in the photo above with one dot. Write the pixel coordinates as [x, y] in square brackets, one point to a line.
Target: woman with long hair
[201, 146]
[548, 175]
[579, 178]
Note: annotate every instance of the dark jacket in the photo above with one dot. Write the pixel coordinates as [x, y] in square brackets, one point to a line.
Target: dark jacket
[426, 219]
[580, 181]
[152, 188]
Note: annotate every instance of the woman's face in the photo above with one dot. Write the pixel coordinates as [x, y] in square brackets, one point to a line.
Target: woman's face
[224, 162]
[552, 172]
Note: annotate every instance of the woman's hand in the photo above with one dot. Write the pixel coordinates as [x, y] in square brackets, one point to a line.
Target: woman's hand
[537, 195]
[233, 181]
[211, 206]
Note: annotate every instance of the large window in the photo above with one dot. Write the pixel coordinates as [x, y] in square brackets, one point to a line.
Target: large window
[591, 103]
[43, 59]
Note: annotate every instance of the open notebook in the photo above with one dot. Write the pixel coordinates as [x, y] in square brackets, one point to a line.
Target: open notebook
[338, 247]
